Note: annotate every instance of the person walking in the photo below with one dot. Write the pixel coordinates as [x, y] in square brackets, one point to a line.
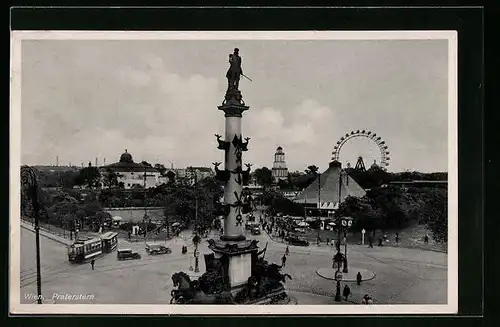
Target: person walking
[359, 278]
[92, 263]
[287, 251]
[426, 239]
[370, 241]
[283, 260]
[397, 238]
[380, 241]
[347, 291]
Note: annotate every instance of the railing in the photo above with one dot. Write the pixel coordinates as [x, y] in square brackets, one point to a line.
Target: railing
[61, 232]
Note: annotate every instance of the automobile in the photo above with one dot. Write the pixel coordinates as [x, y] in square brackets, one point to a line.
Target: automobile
[300, 230]
[251, 225]
[256, 231]
[296, 240]
[154, 249]
[126, 254]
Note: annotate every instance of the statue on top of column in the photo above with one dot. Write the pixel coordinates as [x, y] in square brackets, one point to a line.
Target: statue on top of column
[234, 72]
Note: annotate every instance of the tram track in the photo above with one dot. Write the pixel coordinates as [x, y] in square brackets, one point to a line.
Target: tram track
[28, 280]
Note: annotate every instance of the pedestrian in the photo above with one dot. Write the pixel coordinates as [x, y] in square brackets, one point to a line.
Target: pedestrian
[129, 235]
[92, 263]
[380, 241]
[287, 251]
[347, 291]
[327, 241]
[370, 241]
[426, 239]
[359, 278]
[283, 261]
[397, 238]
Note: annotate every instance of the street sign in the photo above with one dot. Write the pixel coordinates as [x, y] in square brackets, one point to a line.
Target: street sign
[338, 275]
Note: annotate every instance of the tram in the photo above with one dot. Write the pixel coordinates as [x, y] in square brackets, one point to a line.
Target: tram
[109, 241]
[84, 249]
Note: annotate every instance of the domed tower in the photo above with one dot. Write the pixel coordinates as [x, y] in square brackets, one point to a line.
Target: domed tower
[279, 171]
[126, 157]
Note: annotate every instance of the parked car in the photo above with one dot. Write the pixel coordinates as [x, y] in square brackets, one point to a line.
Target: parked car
[256, 231]
[295, 240]
[154, 249]
[126, 254]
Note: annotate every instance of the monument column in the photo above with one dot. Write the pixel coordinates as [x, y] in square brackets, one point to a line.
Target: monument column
[233, 110]
[234, 258]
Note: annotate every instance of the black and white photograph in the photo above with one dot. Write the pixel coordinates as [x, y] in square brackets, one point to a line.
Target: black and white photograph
[244, 172]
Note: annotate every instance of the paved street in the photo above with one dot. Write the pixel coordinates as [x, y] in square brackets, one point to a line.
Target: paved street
[403, 276]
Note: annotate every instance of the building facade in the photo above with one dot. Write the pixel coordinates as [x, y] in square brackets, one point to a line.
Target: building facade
[131, 174]
[279, 170]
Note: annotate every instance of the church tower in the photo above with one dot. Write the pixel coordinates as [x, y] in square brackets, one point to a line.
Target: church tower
[279, 171]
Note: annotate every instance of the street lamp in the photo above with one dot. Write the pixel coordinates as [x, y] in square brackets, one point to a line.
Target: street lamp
[337, 259]
[196, 227]
[346, 223]
[29, 181]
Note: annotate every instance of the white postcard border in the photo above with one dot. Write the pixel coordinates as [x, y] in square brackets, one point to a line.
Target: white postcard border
[15, 144]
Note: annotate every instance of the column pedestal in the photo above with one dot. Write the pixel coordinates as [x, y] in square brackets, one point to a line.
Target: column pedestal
[237, 259]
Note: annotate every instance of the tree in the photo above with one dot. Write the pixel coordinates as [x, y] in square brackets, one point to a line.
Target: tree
[161, 168]
[312, 170]
[110, 178]
[362, 210]
[89, 176]
[436, 215]
[263, 176]
[171, 176]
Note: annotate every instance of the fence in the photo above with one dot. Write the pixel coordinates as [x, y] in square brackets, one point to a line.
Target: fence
[61, 232]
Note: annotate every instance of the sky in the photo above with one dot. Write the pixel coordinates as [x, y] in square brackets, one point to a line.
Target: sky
[83, 99]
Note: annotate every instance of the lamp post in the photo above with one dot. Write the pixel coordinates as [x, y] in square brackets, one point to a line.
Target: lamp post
[346, 223]
[337, 259]
[196, 227]
[29, 180]
[145, 210]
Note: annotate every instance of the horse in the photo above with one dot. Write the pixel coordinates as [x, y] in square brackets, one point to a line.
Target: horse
[184, 291]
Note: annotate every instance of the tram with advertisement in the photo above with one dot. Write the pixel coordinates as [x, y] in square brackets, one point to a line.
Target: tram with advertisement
[87, 248]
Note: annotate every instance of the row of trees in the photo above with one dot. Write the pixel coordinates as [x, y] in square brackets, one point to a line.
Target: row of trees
[385, 208]
[92, 177]
[373, 177]
[182, 202]
[64, 208]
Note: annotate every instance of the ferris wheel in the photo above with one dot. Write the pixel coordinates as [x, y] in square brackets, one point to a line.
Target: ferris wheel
[384, 149]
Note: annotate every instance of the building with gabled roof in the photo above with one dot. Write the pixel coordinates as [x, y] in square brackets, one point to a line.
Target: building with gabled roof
[327, 197]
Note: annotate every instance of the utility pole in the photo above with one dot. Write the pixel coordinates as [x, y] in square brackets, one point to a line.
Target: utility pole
[319, 206]
[29, 179]
[145, 209]
[196, 227]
